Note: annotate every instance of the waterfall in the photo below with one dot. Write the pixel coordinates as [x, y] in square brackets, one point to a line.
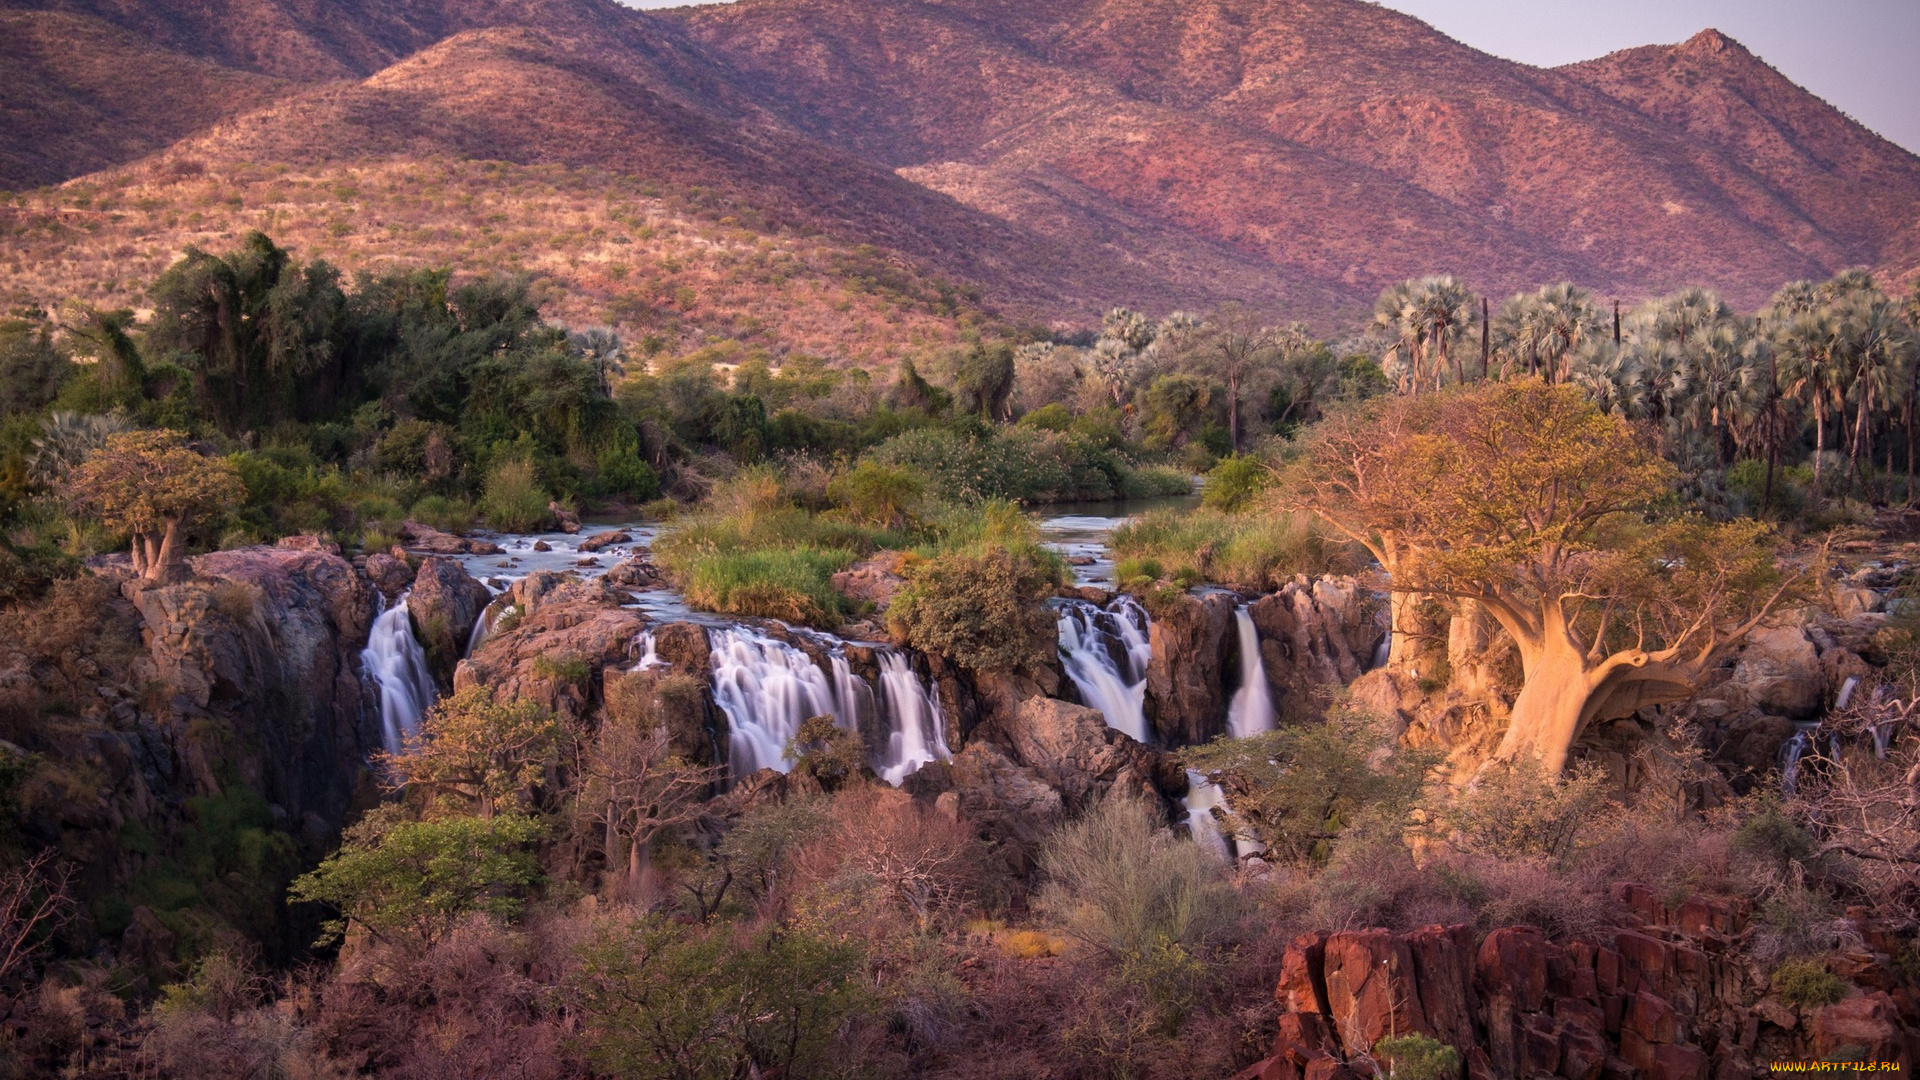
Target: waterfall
[1202, 796]
[914, 724]
[1790, 755]
[649, 654]
[768, 689]
[1251, 711]
[1105, 652]
[397, 664]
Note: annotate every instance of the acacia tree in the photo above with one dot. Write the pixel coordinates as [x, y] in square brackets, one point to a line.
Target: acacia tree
[1528, 501]
[634, 784]
[150, 485]
[1233, 345]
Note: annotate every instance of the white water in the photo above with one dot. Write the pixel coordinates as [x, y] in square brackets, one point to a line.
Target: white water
[649, 654]
[398, 666]
[915, 735]
[1251, 711]
[768, 688]
[1790, 756]
[1202, 797]
[1105, 652]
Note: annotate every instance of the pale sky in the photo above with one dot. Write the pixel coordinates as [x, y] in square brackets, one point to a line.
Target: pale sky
[1863, 56]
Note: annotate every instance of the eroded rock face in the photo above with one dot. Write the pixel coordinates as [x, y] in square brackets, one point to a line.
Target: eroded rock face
[1072, 747]
[445, 603]
[1779, 673]
[390, 574]
[1316, 633]
[1668, 999]
[1186, 678]
[557, 651]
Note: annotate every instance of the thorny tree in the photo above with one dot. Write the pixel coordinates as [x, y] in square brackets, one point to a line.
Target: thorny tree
[150, 485]
[1529, 502]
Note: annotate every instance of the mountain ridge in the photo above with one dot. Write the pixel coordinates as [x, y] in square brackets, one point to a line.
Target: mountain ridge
[1296, 154]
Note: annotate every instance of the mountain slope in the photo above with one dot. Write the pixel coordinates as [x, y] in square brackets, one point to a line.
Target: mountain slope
[1296, 154]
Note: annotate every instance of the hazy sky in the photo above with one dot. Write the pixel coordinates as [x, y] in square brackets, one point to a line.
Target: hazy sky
[1861, 55]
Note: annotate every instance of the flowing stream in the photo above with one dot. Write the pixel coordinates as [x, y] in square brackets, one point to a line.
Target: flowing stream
[398, 665]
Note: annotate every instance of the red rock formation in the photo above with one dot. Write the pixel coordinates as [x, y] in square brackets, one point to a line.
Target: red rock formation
[1671, 998]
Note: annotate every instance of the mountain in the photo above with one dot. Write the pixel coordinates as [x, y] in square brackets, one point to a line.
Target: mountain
[1052, 160]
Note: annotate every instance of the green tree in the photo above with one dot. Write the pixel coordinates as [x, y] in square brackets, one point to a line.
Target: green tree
[981, 610]
[150, 485]
[984, 379]
[1428, 318]
[409, 883]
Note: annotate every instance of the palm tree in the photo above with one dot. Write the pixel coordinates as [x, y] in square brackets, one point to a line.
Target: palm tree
[1445, 312]
[1805, 345]
[1728, 384]
[1547, 327]
[1872, 350]
[1394, 313]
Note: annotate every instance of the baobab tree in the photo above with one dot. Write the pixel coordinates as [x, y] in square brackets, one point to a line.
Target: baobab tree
[150, 485]
[1528, 501]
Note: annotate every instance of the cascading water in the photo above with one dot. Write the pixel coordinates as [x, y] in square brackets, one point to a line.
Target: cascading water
[1790, 756]
[397, 664]
[1251, 711]
[768, 689]
[1202, 796]
[649, 654]
[1106, 652]
[913, 717]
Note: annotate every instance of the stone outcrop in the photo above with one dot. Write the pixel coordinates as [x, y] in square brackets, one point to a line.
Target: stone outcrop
[1187, 677]
[445, 603]
[1074, 750]
[555, 653]
[428, 540]
[602, 541]
[1315, 633]
[1671, 998]
[391, 574]
[873, 581]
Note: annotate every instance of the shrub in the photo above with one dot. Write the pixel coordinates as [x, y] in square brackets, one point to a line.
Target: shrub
[444, 513]
[1417, 1056]
[514, 501]
[1300, 788]
[1233, 484]
[883, 496]
[1127, 887]
[1150, 481]
[662, 1000]
[1512, 811]
[983, 610]
[1807, 983]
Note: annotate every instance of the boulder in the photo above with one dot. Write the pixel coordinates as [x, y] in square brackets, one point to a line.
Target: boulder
[602, 541]
[1371, 992]
[635, 572]
[1011, 804]
[390, 575]
[1779, 673]
[1186, 677]
[1868, 1023]
[426, 539]
[1074, 749]
[445, 603]
[567, 520]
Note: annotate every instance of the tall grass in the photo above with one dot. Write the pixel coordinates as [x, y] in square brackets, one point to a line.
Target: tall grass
[514, 501]
[1252, 550]
[793, 584]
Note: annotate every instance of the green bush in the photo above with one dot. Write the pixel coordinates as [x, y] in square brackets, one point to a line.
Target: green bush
[984, 611]
[1233, 484]
[1053, 417]
[1302, 788]
[1155, 481]
[883, 496]
[1417, 1056]
[664, 1001]
[514, 501]
[1512, 811]
[1807, 983]
[1025, 464]
[443, 513]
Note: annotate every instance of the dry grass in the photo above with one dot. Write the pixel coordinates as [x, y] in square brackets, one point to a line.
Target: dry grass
[614, 249]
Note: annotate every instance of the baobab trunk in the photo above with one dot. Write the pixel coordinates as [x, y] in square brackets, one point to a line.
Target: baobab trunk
[1547, 715]
[1406, 634]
